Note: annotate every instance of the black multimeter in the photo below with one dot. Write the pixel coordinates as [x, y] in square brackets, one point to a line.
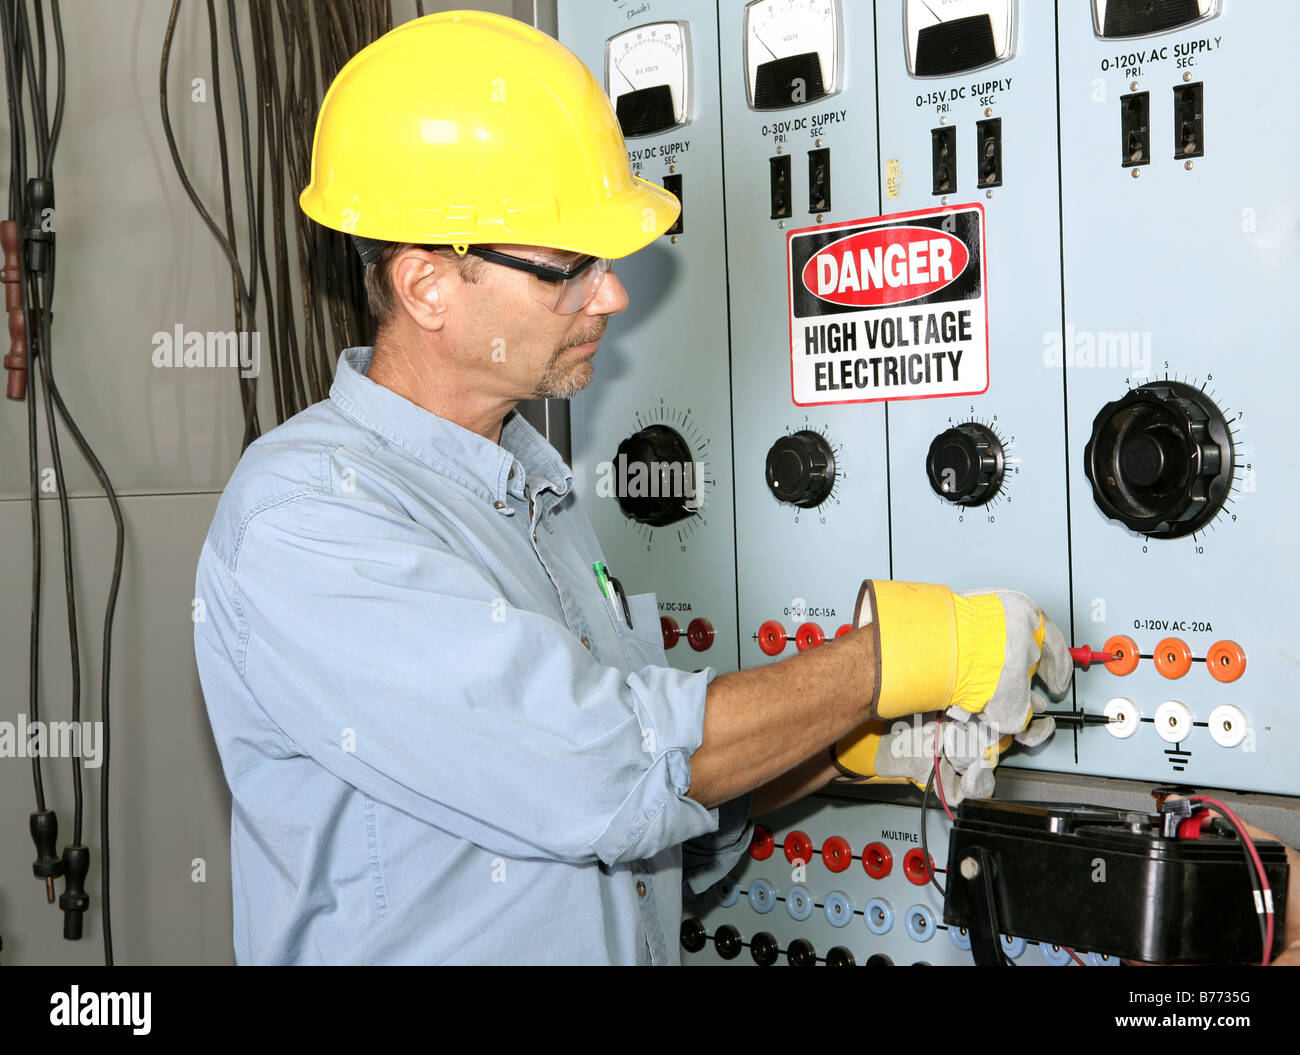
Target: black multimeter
[1106, 880]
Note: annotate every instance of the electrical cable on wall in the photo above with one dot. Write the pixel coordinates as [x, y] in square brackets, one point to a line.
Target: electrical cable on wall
[29, 281]
[297, 49]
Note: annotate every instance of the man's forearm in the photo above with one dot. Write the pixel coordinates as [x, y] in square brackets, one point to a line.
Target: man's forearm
[810, 775]
[765, 722]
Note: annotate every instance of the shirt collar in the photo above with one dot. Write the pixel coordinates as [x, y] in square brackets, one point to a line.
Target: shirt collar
[490, 469]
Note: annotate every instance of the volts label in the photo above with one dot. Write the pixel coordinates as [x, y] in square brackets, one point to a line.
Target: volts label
[1194, 626]
[1182, 51]
[893, 307]
[664, 151]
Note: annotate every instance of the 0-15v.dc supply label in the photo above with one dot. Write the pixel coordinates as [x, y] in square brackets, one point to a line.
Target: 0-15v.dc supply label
[894, 307]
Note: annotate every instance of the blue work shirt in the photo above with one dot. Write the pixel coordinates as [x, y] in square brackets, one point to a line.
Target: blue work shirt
[441, 744]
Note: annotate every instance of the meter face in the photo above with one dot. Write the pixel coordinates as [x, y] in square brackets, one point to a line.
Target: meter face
[1142, 18]
[648, 77]
[944, 37]
[793, 52]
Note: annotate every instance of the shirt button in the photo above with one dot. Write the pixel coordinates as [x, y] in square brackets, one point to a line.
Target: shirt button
[640, 888]
[586, 644]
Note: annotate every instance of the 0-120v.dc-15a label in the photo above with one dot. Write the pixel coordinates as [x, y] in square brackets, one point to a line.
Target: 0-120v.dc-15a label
[893, 307]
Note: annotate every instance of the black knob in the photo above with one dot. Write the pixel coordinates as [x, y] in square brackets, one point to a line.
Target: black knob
[879, 960]
[1160, 460]
[694, 936]
[764, 949]
[801, 469]
[840, 957]
[965, 464]
[656, 477]
[728, 942]
[801, 953]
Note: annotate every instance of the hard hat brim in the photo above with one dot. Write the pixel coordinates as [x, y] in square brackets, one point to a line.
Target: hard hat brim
[622, 224]
[618, 226]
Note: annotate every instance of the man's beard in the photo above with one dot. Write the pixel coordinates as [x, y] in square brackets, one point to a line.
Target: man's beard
[564, 382]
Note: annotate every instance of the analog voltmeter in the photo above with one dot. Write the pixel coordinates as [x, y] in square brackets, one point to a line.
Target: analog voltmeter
[648, 76]
[793, 52]
[658, 477]
[1141, 18]
[957, 36]
[1160, 460]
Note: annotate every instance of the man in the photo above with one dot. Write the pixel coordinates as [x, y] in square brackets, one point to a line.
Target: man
[442, 744]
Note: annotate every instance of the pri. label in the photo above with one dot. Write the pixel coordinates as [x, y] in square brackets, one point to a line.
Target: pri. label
[894, 307]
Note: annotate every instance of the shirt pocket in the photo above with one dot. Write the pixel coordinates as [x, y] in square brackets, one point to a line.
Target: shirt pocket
[643, 643]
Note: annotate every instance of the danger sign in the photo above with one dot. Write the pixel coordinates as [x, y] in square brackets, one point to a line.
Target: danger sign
[894, 307]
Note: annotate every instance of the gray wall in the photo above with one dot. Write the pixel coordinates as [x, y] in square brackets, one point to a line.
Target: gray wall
[134, 258]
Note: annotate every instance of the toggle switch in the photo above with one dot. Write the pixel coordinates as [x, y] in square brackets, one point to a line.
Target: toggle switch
[988, 146]
[943, 160]
[673, 184]
[1189, 121]
[819, 180]
[1135, 128]
[779, 174]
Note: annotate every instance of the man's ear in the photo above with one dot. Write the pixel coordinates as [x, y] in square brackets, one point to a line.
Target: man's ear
[417, 276]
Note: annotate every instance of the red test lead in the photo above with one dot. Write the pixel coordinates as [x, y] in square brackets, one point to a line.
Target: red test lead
[1086, 655]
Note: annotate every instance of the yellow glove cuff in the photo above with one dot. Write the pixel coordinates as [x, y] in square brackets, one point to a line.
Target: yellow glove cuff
[935, 649]
[981, 649]
[915, 628]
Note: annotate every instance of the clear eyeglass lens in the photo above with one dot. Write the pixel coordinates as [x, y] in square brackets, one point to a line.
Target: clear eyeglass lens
[574, 294]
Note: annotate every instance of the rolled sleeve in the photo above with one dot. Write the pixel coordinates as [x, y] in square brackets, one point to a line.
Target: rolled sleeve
[395, 663]
[646, 822]
[707, 858]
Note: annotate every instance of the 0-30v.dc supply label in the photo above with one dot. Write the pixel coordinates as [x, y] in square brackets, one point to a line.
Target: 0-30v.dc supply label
[894, 307]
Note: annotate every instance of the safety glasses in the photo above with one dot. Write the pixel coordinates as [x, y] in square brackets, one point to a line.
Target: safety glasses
[563, 291]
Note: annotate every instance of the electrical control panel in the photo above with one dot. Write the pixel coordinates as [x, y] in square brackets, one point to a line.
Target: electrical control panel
[1099, 226]
[652, 452]
[843, 881]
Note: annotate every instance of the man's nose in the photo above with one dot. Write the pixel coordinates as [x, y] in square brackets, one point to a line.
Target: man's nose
[610, 299]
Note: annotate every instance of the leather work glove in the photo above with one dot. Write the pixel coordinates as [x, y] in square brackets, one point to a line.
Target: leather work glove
[903, 752]
[974, 655]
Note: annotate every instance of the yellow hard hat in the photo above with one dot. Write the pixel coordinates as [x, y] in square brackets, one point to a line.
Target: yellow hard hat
[469, 128]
